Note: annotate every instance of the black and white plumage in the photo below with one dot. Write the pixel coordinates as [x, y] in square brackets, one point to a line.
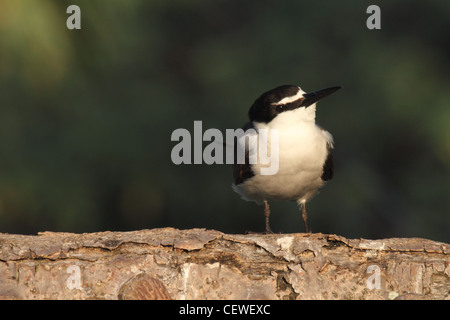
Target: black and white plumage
[304, 153]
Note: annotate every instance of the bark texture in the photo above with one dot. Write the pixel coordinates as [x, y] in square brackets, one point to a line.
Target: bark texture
[207, 264]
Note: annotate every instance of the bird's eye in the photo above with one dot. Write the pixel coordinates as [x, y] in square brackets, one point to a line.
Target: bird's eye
[280, 107]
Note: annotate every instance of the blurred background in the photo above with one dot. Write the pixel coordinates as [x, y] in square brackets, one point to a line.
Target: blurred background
[86, 116]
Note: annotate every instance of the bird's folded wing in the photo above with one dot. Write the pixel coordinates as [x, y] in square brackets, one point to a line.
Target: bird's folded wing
[242, 171]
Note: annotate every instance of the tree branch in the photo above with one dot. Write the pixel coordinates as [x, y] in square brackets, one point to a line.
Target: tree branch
[207, 264]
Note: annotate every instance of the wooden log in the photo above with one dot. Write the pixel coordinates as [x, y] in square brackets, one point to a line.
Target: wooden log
[206, 264]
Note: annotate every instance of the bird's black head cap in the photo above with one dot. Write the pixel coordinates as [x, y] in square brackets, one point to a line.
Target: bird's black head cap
[268, 106]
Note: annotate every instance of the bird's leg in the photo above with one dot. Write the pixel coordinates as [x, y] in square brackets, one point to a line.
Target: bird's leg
[305, 217]
[267, 214]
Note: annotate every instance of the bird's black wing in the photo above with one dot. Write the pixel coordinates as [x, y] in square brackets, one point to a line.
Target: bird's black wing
[242, 171]
[328, 166]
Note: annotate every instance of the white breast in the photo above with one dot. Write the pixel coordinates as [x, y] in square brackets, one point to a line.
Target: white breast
[302, 153]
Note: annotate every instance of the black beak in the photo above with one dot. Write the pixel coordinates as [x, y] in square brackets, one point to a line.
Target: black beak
[313, 97]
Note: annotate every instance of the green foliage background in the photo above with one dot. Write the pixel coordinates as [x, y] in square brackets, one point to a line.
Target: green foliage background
[86, 116]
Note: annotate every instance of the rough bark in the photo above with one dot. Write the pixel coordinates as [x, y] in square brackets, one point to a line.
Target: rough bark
[207, 264]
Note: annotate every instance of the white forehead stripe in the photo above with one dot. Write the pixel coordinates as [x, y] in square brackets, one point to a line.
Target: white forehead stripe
[290, 99]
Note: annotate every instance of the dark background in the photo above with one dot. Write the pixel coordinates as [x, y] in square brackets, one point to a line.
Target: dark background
[86, 115]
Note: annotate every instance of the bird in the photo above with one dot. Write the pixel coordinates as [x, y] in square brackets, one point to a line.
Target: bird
[305, 160]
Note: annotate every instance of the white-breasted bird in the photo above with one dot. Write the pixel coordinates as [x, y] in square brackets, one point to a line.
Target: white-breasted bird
[305, 161]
